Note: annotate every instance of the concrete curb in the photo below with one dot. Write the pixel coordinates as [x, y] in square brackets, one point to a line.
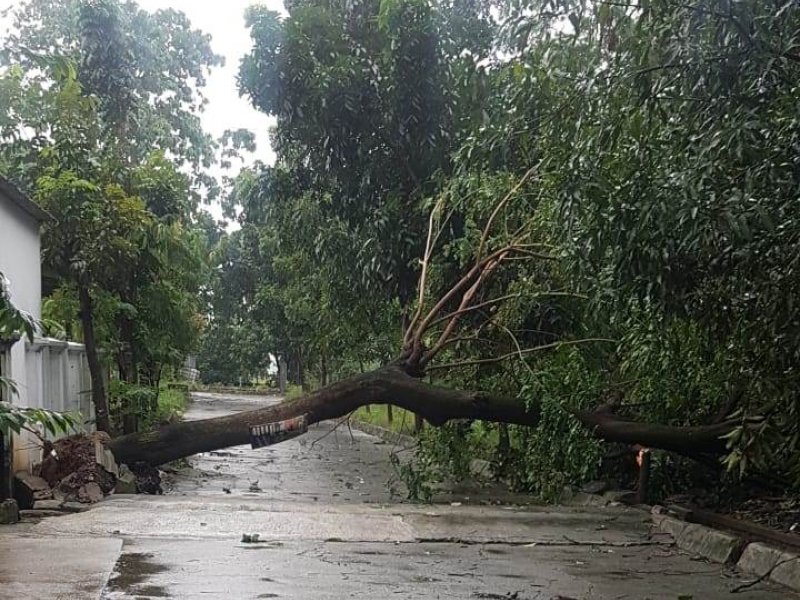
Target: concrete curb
[768, 562]
[387, 435]
[754, 558]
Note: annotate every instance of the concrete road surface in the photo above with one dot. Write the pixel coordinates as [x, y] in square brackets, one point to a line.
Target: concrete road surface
[328, 529]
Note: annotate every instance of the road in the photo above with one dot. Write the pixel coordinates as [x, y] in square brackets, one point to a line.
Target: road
[330, 529]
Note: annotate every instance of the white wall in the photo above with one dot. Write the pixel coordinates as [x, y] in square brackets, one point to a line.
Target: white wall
[46, 371]
[20, 262]
[20, 259]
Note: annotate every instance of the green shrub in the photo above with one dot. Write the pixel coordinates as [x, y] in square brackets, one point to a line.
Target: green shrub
[172, 403]
[402, 420]
[293, 392]
[130, 404]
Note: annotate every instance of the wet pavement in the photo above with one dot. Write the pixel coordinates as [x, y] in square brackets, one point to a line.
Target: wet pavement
[329, 528]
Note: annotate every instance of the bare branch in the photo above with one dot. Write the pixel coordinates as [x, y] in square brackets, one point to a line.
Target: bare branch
[415, 342]
[466, 299]
[520, 353]
[516, 344]
[499, 207]
[461, 311]
[431, 241]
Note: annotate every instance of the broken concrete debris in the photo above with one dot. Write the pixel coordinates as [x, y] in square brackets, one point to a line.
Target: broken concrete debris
[126, 481]
[28, 489]
[79, 470]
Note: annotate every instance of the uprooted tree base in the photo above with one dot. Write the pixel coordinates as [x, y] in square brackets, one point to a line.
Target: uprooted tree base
[394, 385]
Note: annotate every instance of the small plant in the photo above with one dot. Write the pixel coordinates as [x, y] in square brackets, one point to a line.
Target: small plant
[417, 475]
[18, 419]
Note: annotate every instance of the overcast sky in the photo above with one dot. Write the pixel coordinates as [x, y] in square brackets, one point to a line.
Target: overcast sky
[224, 21]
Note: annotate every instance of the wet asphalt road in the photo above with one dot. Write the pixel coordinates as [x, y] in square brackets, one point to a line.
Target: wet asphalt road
[329, 529]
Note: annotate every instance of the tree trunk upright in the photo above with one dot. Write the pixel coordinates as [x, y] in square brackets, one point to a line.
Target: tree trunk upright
[323, 370]
[95, 368]
[282, 375]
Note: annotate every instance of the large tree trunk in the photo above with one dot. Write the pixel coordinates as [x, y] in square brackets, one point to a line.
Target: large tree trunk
[95, 367]
[393, 386]
[383, 386]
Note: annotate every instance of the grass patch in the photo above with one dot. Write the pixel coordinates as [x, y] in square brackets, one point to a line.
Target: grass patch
[293, 392]
[403, 421]
[172, 403]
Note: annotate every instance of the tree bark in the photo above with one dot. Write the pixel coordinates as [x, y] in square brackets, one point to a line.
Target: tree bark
[383, 386]
[689, 441]
[282, 374]
[391, 385]
[323, 370]
[95, 368]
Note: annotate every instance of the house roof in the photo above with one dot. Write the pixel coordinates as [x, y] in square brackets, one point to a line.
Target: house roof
[10, 191]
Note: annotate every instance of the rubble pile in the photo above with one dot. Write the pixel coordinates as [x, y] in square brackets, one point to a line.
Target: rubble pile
[79, 470]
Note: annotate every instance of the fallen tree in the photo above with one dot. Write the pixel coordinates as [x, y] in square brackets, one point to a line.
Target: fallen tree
[400, 382]
[392, 385]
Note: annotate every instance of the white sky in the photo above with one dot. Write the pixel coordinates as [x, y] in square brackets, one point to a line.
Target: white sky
[224, 21]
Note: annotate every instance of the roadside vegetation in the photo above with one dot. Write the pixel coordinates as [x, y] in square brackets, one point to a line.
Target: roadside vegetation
[586, 210]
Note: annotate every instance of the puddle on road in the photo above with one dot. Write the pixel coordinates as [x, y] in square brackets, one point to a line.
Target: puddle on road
[130, 575]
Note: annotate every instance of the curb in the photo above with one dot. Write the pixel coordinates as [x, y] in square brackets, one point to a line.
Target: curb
[755, 558]
[709, 543]
[387, 435]
[768, 562]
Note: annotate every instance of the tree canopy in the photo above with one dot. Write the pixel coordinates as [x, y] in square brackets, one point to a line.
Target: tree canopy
[584, 209]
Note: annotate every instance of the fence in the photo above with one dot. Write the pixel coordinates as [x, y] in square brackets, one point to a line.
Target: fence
[56, 377]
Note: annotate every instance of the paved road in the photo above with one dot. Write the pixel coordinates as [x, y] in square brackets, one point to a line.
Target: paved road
[329, 529]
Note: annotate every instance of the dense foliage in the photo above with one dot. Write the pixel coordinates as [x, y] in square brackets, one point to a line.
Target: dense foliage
[650, 147]
[99, 123]
[644, 154]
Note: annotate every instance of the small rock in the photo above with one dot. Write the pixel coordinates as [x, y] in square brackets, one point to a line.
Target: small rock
[126, 481]
[9, 512]
[105, 458]
[47, 505]
[620, 497]
[34, 514]
[90, 493]
[74, 507]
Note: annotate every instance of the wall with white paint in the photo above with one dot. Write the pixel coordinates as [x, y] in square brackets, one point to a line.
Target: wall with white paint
[48, 373]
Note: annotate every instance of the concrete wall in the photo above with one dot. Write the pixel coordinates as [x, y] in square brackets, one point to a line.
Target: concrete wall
[48, 373]
[57, 379]
[20, 262]
[20, 259]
